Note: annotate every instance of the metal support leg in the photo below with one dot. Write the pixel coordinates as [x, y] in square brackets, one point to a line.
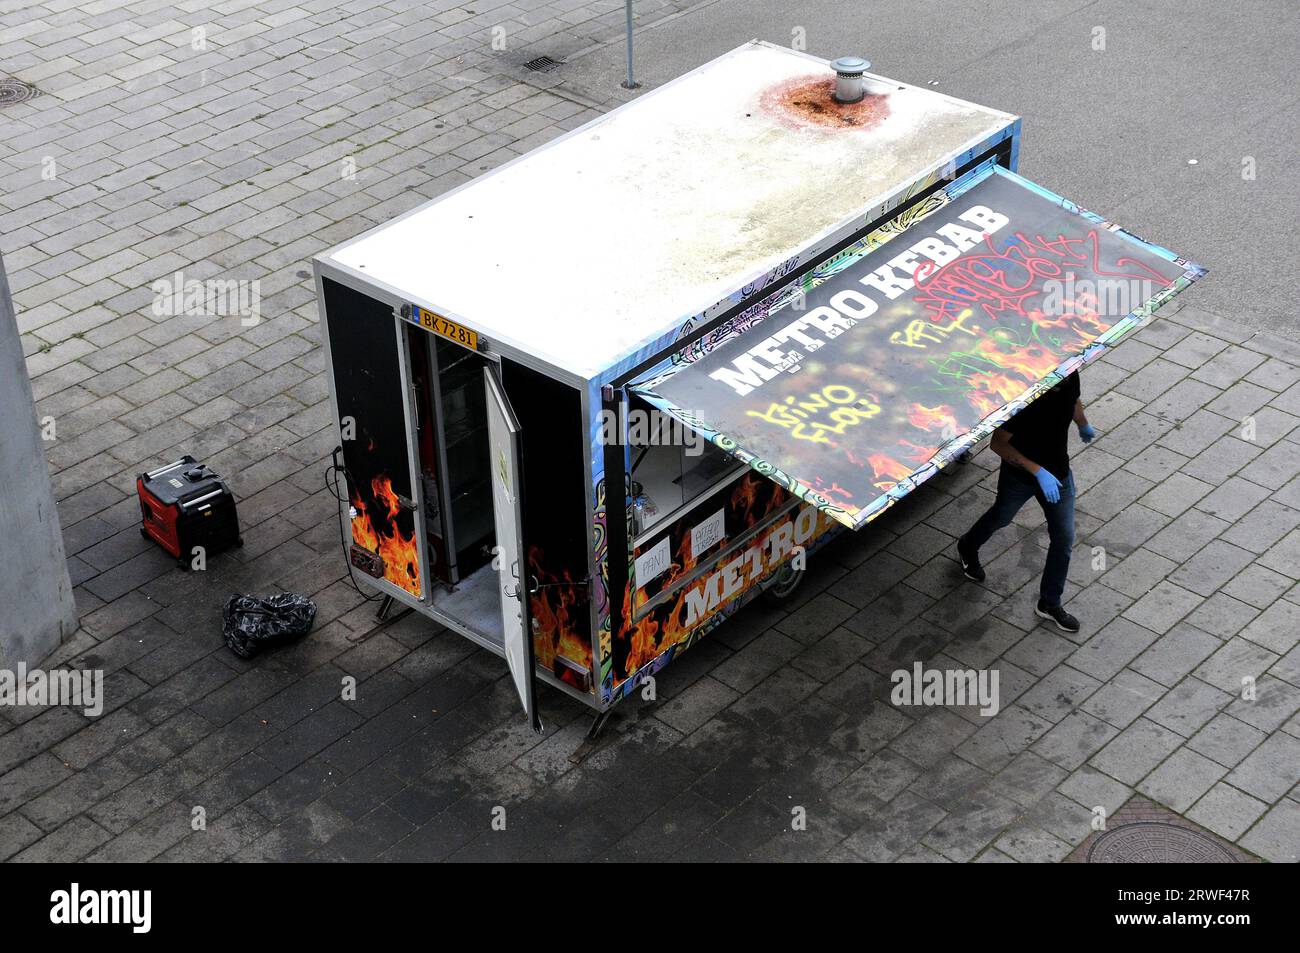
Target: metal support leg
[383, 615]
[589, 744]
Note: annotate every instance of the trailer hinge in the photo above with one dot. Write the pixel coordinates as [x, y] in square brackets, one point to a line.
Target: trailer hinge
[607, 391]
[406, 503]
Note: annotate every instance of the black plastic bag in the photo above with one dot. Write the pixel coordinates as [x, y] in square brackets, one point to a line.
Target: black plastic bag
[251, 624]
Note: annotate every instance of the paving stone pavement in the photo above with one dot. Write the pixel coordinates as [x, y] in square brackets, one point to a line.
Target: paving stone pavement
[225, 161]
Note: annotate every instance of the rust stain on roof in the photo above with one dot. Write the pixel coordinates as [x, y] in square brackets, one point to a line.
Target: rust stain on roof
[811, 102]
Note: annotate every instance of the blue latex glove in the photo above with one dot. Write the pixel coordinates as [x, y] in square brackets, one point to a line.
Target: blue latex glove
[1086, 433]
[1049, 484]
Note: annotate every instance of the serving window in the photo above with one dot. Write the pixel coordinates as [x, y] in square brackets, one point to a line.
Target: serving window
[672, 465]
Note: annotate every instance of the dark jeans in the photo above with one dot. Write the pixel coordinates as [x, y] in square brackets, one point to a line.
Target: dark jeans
[1015, 486]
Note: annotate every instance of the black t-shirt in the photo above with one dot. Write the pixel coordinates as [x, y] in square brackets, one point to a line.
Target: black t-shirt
[1041, 431]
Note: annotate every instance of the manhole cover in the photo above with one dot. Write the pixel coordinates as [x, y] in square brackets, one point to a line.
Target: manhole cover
[1156, 843]
[14, 91]
[543, 64]
[1144, 832]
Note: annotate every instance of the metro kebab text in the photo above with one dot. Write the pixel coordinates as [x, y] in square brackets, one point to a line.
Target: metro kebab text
[772, 355]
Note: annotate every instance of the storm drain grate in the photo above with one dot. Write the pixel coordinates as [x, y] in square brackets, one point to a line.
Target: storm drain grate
[1145, 832]
[543, 64]
[14, 91]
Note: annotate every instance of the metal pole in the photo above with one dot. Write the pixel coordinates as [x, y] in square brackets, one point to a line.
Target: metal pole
[629, 83]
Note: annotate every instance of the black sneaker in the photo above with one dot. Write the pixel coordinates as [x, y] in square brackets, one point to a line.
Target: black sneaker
[970, 562]
[1064, 621]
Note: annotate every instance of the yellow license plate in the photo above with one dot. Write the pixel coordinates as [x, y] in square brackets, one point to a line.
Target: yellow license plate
[448, 329]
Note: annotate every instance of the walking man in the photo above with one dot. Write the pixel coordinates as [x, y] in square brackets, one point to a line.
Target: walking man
[1036, 462]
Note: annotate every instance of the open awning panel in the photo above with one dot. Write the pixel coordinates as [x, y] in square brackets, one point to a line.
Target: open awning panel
[877, 368]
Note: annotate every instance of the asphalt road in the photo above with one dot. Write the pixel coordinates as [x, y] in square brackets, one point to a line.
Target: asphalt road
[1115, 129]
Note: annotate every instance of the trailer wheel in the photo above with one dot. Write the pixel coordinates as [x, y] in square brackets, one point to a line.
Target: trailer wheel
[786, 583]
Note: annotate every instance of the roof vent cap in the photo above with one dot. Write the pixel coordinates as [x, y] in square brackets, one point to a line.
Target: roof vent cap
[849, 87]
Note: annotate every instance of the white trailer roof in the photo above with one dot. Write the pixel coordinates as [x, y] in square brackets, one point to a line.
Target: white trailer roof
[613, 235]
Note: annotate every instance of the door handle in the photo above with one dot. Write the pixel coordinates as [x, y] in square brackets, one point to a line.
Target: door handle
[513, 591]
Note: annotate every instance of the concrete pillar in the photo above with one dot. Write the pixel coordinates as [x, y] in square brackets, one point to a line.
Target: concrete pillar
[36, 607]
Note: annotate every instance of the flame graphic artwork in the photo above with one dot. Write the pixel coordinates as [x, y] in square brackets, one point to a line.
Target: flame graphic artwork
[665, 627]
[750, 501]
[888, 470]
[643, 638]
[917, 453]
[660, 630]
[933, 418]
[990, 390]
[1079, 316]
[399, 552]
[1030, 361]
[557, 608]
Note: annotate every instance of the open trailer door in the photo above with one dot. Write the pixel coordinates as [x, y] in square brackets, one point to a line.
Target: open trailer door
[363, 343]
[883, 364]
[507, 507]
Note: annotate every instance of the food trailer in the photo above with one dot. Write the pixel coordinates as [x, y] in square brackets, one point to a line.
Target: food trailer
[592, 402]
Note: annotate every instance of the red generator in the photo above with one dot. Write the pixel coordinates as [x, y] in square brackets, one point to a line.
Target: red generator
[185, 505]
